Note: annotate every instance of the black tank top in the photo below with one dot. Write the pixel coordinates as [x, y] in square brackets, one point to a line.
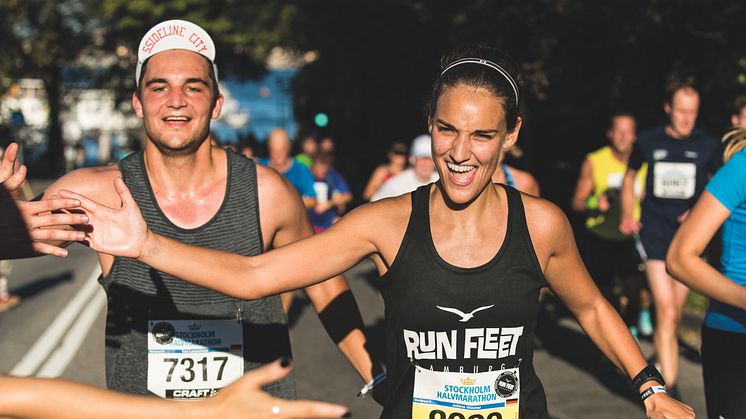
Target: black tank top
[421, 291]
[137, 293]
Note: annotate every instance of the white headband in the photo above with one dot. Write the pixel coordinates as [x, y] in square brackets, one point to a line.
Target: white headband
[489, 64]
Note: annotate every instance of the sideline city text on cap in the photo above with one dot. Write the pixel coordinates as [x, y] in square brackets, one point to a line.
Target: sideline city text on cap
[175, 34]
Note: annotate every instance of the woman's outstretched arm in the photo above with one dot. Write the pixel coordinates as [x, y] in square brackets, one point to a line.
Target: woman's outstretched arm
[31, 398]
[123, 232]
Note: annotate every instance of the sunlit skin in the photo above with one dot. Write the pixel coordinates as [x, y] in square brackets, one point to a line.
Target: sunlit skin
[682, 112]
[176, 102]
[622, 136]
[469, 132]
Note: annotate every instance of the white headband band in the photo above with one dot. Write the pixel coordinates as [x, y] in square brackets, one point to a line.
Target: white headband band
[489, 64]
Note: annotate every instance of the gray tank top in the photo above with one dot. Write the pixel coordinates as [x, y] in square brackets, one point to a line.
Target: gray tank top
[138, 294]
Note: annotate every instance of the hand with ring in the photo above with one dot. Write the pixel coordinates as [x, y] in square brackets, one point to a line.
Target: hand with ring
[245, 399]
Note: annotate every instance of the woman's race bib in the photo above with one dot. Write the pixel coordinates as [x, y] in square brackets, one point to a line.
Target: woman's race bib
[452, 395]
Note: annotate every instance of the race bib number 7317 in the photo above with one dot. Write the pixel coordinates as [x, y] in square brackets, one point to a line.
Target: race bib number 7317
[192, 359]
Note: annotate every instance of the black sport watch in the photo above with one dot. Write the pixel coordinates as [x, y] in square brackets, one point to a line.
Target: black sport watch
[649, 373]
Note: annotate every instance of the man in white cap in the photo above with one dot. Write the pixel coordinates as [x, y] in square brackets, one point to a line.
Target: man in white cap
[421, 173]
[164, 336]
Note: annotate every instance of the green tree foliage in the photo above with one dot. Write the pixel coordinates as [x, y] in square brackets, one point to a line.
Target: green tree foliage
[39, 37]
[581, 59]
[244, 32]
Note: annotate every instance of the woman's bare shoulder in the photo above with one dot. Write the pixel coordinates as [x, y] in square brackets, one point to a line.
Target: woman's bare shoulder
[546, 221]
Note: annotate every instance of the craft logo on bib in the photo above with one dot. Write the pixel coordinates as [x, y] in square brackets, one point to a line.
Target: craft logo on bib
[193, 359]
[674, 180]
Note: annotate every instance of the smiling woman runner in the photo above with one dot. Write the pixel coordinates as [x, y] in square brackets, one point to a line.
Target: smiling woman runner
[460, 275]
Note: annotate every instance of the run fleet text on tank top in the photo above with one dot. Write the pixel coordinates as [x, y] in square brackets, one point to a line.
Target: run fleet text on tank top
[167, 337]
[462, 336]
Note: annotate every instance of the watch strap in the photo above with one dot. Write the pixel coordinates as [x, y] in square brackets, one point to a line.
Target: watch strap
[649, 373]
[652, 390]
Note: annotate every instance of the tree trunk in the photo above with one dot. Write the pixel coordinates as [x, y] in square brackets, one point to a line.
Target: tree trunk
[55, 148]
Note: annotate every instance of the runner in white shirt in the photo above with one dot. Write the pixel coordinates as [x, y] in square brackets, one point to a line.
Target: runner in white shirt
[421, 173]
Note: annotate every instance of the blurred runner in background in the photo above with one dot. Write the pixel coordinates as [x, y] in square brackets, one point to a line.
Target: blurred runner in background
[680, 158]
[421, 173]
[738, 118]
[511, 176]
[308, 150]
[279, 146]
[397, 157]
[332, 193]
[610, 256]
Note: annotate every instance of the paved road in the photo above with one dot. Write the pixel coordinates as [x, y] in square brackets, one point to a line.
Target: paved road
[62, 311]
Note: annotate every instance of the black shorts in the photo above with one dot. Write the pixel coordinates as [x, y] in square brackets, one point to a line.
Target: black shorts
[723, 370]
[608, 259]
[656, 234]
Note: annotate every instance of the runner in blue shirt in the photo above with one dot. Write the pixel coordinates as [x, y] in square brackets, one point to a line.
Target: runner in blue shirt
[332, 193]
[279, 159]
[724, 331]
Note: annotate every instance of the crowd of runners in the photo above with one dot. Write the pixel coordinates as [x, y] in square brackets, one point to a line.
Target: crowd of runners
[201, 248]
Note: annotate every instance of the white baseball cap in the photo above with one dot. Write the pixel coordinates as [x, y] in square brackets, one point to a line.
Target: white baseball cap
[421, 147]
[175, 34]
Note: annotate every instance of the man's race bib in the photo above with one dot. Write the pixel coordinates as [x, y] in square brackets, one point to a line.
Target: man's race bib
[192, 359]
[674, 180]
[451, 395]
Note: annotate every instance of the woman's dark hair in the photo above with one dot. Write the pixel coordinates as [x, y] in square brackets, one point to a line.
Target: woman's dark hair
[480, 76]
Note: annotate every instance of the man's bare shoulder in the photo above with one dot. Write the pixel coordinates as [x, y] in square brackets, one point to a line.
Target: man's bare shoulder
[96, 183]
[272, 186]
